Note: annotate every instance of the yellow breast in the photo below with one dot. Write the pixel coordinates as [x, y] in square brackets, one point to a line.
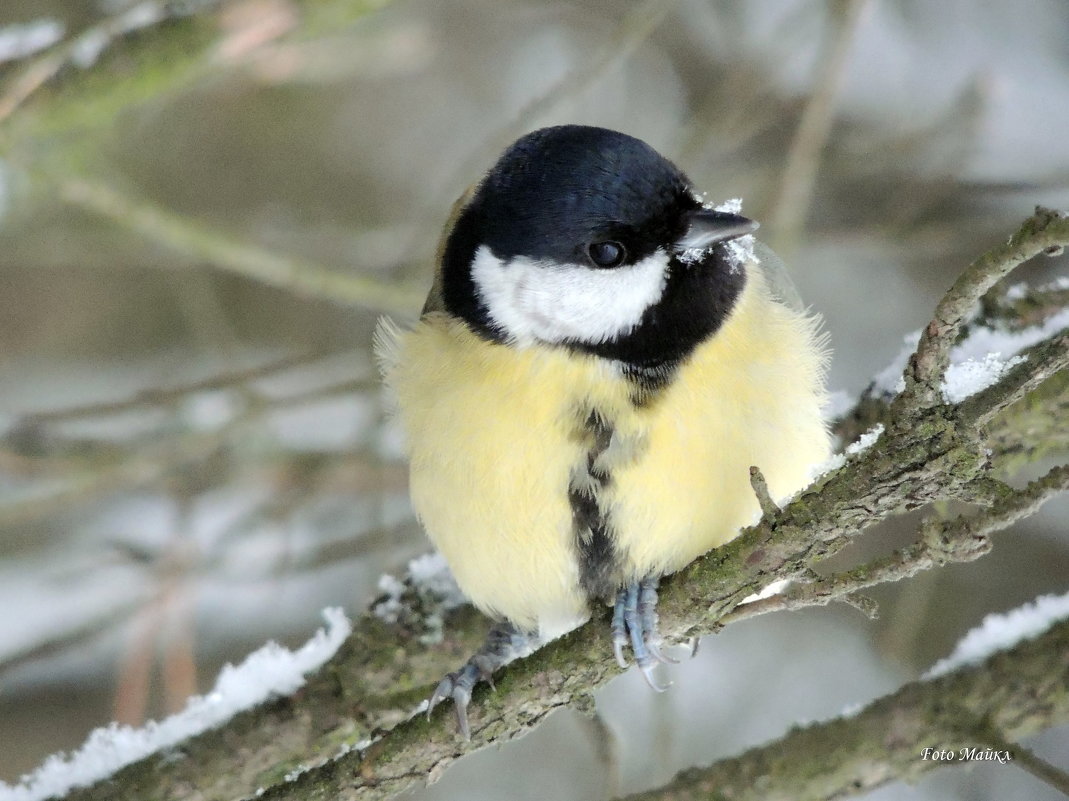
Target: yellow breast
[494, 435]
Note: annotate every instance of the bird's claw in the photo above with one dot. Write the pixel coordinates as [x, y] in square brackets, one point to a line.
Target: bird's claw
[458, 686]
[634, 622]
[503, 644]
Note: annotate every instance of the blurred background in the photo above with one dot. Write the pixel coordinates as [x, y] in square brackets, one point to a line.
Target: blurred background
[194, 454]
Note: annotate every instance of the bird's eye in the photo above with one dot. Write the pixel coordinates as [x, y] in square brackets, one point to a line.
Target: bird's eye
[607, 254]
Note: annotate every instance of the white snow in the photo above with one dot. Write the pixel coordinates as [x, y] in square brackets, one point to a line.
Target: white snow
[740, 251]
[977, 362]
[864, 442]
[972, 375]
[1004, 630]
[431, 573]
[770, 589]
[435, 593]
[837, 403]
[269, 671]
[389, 609]
[1018, 291]
[430, 577]
[889, 380]
[19, 41]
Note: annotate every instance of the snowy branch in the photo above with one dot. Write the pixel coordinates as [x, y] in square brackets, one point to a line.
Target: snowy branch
[1045, 232]
[1011, 695]
[348, 734]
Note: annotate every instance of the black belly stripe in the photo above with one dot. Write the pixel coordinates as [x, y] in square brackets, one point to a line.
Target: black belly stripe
[599, 558]
[646, 383]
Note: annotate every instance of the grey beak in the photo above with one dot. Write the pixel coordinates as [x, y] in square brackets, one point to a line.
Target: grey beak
[707, 227]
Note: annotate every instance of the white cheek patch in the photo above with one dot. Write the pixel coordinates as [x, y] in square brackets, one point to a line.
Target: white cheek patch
[537, 301]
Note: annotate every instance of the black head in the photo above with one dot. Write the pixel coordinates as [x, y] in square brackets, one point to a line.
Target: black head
[590, 239]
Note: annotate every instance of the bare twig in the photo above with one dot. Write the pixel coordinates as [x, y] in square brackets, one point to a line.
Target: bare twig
[299, 276]
[941, 542]
[160, 396]
[760, 488]
[145, 469]
[803, 160]
[606, 750]
[1025, 759]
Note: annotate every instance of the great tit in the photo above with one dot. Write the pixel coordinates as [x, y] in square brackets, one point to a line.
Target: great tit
[599, 362]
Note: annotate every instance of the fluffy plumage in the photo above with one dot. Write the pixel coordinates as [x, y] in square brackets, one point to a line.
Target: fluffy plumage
[496, 433]
[597, 367]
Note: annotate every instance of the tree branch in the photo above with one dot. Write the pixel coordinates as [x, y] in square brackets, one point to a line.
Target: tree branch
[941, 542]
[1044, 231]
[172, 44]
[1039, 363]
[1015, 692]
[85, 48]
[157, 396]
[298, 276]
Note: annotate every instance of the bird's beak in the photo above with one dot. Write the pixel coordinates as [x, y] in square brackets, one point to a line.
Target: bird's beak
[707, 227]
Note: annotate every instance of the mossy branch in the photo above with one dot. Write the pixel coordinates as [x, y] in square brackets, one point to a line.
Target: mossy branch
[132, 57]
[1012, 692]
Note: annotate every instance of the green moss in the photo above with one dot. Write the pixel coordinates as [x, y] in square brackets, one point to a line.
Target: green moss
[325, 18]
[66, 120]
[276, 774]
[143, 67]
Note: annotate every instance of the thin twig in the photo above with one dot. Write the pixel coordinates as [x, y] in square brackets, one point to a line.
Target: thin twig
[1027, 760]
[160, 396]
[187, 237]
[145, 469]
[940, 542]
[760, 488]
[606, 751]
[803, 160]
[32, 78]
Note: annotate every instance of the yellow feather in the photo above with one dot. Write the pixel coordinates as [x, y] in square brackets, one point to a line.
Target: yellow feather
[493, 436]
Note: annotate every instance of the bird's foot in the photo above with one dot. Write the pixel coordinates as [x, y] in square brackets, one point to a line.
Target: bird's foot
[503, 644]
[634, 621]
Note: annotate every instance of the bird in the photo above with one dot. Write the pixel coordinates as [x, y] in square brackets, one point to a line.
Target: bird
[600, 360]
